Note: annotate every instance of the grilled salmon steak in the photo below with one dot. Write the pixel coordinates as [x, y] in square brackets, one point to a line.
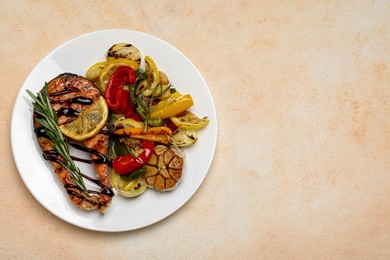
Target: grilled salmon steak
[71, 95]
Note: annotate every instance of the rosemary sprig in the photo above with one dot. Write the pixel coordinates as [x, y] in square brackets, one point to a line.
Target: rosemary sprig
[49, 121]
[149, 107]
[144, 107]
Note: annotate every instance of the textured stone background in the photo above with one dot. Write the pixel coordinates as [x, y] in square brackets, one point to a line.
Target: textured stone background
[302, 92]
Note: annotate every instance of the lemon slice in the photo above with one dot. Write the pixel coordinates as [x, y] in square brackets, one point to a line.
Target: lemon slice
[188, 120]
[153, 75]
[174, 105]
[88, 123]
[111, 67]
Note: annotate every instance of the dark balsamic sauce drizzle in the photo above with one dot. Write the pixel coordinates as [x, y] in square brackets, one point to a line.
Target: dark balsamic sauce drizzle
[102, 158]
[52, 155]
[105, 189]
[74, 158]
[70, 190]
[66, 90]
[79, 100]
[67, 111]
[40, 131]
[69, 89]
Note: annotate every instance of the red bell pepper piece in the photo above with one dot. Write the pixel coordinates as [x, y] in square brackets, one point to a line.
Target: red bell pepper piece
[116, 97]
[125, 101]
[131, 113]
[124, 165]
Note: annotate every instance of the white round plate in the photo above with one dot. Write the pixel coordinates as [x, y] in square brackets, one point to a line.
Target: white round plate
[76, 56]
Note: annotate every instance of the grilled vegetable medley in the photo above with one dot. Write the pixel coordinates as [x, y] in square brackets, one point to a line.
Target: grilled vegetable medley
[130, 119]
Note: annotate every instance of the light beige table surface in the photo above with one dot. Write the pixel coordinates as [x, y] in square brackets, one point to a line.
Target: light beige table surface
[302, 165]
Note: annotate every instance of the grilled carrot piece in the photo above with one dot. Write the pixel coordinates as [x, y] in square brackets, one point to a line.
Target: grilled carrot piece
[131, 131]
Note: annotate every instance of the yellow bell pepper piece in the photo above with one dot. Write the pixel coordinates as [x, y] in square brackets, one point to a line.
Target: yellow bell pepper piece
[172, 106]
